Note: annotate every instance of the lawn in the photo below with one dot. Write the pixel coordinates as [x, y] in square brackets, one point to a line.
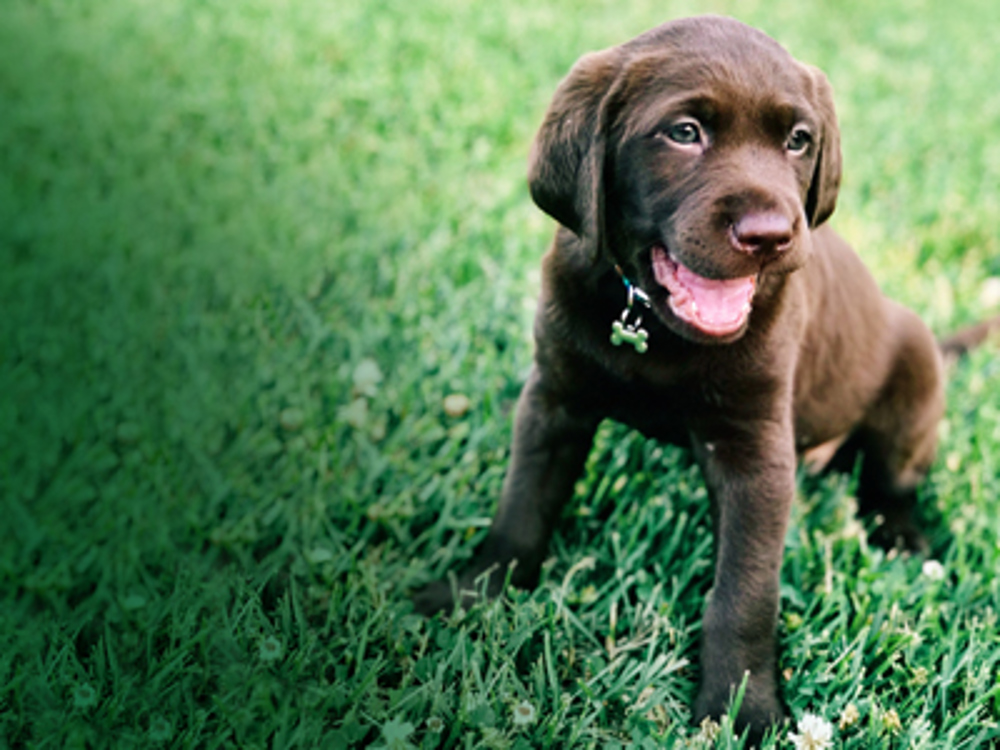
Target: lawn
[267, 270]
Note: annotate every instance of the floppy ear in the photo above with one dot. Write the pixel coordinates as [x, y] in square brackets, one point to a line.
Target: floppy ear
[822, 197]
[566, 163]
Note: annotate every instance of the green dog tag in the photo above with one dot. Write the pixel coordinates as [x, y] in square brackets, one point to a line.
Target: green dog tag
[634, 335]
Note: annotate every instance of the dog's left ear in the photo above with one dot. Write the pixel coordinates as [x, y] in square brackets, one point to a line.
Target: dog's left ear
[567, 158]
[822, 197]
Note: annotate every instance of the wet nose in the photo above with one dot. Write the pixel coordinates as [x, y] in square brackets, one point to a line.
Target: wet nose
[762, 233]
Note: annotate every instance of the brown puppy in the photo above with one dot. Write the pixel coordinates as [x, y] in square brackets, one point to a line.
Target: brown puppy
[697, 163]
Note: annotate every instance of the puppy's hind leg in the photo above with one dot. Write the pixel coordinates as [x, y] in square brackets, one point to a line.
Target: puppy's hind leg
[898, 437]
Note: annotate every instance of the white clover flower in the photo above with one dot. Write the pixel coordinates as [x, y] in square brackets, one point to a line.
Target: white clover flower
[160, 729]
[524, 713]
[435, 725]
[891, 722]
[708, 731]
[933, 570]
[815, 733]
[456, 405]
[355, 413]
[849, 717]
[84, 696]
[367, 377]
[271, 649]
[989, 295]
[292, 419]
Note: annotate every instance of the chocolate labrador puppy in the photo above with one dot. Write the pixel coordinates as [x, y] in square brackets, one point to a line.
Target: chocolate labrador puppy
[694, 292]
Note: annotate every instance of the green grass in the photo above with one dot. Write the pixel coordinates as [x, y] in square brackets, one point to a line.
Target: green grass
[247, 250]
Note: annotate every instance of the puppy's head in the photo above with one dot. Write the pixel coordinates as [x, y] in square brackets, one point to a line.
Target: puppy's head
[698, 157]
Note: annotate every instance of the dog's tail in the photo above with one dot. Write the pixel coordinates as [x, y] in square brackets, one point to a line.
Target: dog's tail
[961, 342]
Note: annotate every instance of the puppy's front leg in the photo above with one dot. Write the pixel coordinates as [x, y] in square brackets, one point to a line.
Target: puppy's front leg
[551, 442]
[749, 469]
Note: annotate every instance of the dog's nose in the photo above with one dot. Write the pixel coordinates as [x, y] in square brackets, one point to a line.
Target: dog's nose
[763, 233]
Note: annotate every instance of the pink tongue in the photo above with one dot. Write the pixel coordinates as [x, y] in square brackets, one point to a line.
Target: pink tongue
[714, 306]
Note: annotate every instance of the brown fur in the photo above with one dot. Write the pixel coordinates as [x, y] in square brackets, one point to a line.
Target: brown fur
[823, 359]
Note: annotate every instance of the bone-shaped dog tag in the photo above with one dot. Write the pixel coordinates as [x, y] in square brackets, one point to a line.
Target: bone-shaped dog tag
[633, 334]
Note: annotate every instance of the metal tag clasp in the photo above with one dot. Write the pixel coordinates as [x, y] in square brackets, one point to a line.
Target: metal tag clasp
[622, 331]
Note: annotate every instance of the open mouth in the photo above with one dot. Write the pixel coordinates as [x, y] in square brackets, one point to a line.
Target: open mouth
[716, 307]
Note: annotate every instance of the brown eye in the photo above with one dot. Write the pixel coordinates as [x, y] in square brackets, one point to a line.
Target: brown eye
[799, 140]
[684, 133]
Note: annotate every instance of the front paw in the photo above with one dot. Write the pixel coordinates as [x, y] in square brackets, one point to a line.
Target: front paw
[433, 598]
[900, 532]
[482, 582]
[759, 710]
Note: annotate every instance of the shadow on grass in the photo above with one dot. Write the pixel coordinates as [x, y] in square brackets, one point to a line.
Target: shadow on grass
[157, 412]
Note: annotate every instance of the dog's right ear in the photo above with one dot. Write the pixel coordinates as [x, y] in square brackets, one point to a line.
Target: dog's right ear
[566, 163]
